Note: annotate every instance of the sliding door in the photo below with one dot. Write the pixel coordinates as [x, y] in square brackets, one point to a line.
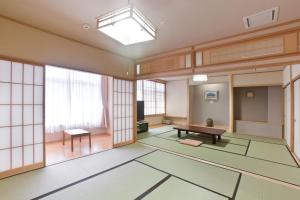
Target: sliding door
[21, 117]
[122, 112]
[297, 118]
[287, 115]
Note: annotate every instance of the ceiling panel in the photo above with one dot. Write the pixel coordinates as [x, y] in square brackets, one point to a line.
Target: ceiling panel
[179, 23]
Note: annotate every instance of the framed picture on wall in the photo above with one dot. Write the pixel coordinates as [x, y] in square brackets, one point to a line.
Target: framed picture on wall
[250, 95]
[211, 95]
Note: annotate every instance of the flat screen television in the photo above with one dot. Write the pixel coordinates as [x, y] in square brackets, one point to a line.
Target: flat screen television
[140, 110]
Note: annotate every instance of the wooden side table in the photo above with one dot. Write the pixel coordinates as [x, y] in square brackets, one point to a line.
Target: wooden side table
[76, 133]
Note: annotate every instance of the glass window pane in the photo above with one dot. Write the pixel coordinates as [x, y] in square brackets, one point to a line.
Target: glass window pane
[5, 115]
[38, 75]
[17, 137]
[4, 160]
[17, 93]
[38, 94]
[28, 135]
[38, 153]
[28, 155]
[28, 74]
[4, 138]
[5, 71]
[38, 134]
[17, 157]
[5, 93]
[28, 114]
[38, 115]
[17, 72]
[28, 94]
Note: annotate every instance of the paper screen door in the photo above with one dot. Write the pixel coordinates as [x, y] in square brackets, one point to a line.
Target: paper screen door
[122, 112]
[21, 117]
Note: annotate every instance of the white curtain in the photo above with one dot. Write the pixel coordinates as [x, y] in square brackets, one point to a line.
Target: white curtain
[74, 99]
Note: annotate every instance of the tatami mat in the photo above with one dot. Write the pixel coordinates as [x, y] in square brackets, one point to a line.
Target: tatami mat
[38, 182]
[256, 138]
[126, 182]
[271, 152]
[265, 168]
[251, 188]
[155, 131]
[137, 171]
[213, 178]
[176, 189]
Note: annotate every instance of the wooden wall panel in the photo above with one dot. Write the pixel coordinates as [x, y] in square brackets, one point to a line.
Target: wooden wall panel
[299, 42]
[163, 64]
[291, 42]
[246, 50]
[272, 49]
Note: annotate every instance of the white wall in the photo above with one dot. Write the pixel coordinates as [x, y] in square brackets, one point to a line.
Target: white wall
[297, 118]
[24, 42]
[177, 98]
[295, 70]
[287, 114]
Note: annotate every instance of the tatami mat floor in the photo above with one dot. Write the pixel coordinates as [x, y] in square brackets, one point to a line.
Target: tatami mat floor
[141, 172]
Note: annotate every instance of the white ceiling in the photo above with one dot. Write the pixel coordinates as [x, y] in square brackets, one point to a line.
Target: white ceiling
[180, 23]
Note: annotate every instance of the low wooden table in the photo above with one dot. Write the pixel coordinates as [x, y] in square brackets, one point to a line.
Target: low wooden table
[76, 133]
[213, 132]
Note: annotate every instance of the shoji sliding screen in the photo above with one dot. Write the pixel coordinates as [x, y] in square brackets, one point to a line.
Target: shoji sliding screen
[122, 112]
[21, 117]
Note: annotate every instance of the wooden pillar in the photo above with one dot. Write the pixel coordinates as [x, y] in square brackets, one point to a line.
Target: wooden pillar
[188, 104]
[231, 104]
[134, 110]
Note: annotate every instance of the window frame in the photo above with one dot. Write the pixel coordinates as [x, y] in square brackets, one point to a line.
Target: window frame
[142, 89]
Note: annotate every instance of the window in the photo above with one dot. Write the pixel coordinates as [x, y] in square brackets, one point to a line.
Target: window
[73, 99]
[153, 94]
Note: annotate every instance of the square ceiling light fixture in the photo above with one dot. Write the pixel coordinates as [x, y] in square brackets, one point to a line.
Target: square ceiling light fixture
[127, 26]
[200, 77]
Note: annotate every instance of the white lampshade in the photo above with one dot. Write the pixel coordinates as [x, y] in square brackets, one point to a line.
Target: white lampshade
[127, 26]
[200, 77]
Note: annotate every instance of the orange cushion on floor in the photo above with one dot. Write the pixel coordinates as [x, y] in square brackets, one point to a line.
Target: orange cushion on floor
[194, 143]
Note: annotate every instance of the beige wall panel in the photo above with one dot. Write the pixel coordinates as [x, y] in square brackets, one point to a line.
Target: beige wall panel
[258, 79]
[275, 105]
[286, 75]
[259, 129]
[177, 98]
[24, 42]
[154, 120]
[295, 71]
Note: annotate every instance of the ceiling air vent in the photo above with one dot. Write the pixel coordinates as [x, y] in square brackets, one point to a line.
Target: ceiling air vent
[261, 18]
